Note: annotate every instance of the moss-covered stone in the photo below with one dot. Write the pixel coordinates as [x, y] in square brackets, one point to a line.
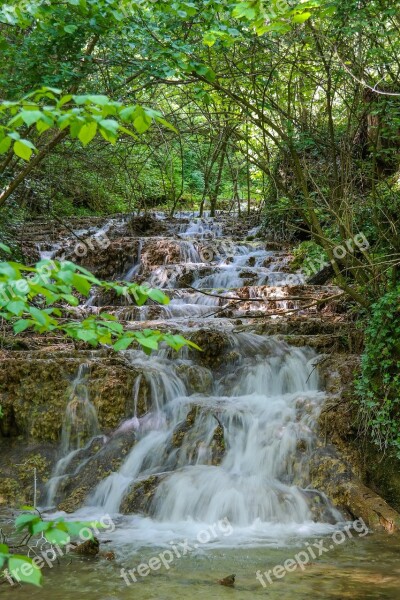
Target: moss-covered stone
[34, 393]
[75, 487]
[218, 446]
[214, 345]
[140, 495]
[333, 475]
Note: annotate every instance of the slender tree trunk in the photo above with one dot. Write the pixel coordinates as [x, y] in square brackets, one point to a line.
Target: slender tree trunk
[214, 196]
[41, 155]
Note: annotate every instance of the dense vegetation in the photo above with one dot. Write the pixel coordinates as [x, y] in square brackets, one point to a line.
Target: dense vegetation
[289, 109]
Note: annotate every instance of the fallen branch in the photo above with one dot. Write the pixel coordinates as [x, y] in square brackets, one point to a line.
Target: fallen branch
[267, 299]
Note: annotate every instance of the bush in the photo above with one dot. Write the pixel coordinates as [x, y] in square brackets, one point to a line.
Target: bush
[378, 387]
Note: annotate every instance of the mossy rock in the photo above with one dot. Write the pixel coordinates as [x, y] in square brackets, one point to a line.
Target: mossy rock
[11, 492]
[218, 446]
[99, 465]
[140, 495]
[214, 346]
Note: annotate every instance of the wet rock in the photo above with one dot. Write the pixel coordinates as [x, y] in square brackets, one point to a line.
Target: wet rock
[218, 446]
[107, 555]
[11, 492]
[160, 251]
[75, 500]
[75, 487]
[338, 423]
[188, 443]
[140, 495]
[109, 262]
[182, 429]
[146, 225]
[88, 548]
[110, 388]
[333, 475]
[214, 345]
[20, 463]
[228, 581]
[94, 446]
[35, 391]
[196, 379]
[320, 507]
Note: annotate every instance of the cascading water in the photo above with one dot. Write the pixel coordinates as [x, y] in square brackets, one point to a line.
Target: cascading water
[237, 451]
[80, 425]
[228, 442]
[204, 439]
[135, 269]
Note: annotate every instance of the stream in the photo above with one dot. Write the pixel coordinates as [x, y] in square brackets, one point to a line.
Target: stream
[216, 481]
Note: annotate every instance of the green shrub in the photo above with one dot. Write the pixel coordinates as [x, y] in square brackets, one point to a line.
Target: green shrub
[378, 387]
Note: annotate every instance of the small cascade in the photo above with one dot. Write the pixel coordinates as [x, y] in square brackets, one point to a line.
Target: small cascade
[135, 269]
[80, 426]
[46, 251]
[202, 228]
[222, 435]
[189, 253]
[237, 450]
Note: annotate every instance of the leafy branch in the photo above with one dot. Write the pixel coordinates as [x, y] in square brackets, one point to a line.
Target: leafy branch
[36, 298]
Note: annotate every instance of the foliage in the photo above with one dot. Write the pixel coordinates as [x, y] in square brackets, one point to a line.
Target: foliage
[378, 386]
[84, 115]
[23, 568]
[37, 298]
[306, 255]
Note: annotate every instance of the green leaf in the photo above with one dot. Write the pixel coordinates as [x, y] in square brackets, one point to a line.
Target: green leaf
[209, 39]
[21, 325]
[158, 296]
[86, 335]
[30, 116]
[40, 526]
[5, 144]
[5, 248]
[23, 520]
[22, 568]
[57, 536]
[109, 130]
[16, 307]
[123, 343]
[3, 549]
[81, 284]
[147, 342]
[39, 315]
[23, 149]
[166, 124]
[87, 132]
[301, 18]
[75, 528]
[70, 28]
[142, 123]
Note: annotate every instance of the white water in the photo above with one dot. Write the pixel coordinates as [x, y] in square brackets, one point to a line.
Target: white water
[80, 425]
[267, 406]
[265, 395]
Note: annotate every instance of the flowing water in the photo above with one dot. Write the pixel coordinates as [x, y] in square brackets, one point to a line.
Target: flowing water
[221, 452]
[80, 425]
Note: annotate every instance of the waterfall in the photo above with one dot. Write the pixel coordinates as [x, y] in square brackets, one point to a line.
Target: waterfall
[267, 408]
[135, 269]
[224, 435]
[80, 425]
